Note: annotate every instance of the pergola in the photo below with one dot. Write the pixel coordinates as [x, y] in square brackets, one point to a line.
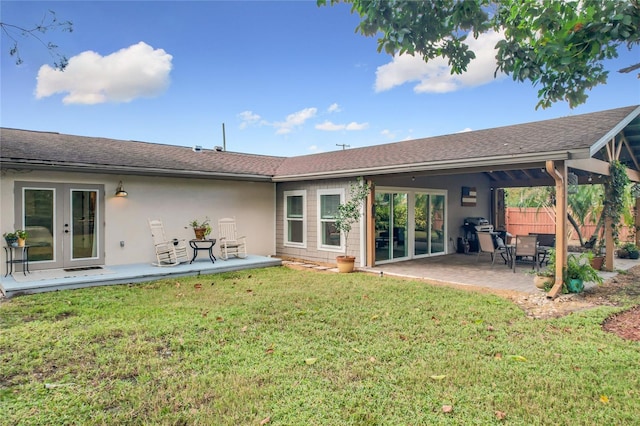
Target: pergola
[590, 163]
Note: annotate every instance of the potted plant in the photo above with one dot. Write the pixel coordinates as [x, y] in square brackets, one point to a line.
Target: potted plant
[201, 229]
[22, 236]
[10, 238]
[628, 250]
[578, 271]
[348, 213]
[545, 278]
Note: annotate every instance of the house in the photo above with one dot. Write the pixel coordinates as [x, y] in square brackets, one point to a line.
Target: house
[63, 188]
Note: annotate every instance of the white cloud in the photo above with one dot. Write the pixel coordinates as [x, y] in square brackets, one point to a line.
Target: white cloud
[332, 127]
[294, 120]
[248, 118]
[435, 76]
[89, 78]
[334, 108]
[388, 134]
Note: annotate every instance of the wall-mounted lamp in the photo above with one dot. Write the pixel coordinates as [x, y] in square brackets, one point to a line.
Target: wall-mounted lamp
[120, 192]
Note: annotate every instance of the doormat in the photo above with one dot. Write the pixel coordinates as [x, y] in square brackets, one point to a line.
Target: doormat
[55, 274]
[85, 268]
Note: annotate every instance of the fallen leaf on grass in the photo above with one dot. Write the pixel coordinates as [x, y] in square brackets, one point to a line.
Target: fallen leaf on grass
[403, 337]
[438, 377]
[501, 415]
[498, 356]
[604, 399]
[372, 359]
[375, 317]
[57, 385]
[197, 286]
[356, 350]
[310, 361]
[177, 284]
[205, 313]
[219, 319]
[518, 358]
[243, 329]
[266, 419]
[447, 408]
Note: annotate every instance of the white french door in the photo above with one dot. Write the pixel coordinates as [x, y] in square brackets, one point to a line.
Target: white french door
[64, 223]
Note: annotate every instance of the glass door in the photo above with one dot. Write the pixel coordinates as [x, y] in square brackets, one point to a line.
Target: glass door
[391, 217]
[63, 223]
[429, 224]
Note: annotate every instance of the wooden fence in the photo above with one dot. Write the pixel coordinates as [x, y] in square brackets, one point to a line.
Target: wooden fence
[523, 221]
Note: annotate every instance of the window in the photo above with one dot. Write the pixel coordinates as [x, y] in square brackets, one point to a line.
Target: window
[330, 237]
[295, 218]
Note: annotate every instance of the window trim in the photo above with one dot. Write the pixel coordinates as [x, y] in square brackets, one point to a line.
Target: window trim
[320, 193]
[285, 236]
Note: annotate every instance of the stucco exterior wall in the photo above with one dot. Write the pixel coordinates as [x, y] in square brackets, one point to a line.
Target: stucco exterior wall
[175, 201]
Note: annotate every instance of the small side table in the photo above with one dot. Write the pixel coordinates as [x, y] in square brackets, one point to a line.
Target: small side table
[198, 245]
[11, 253]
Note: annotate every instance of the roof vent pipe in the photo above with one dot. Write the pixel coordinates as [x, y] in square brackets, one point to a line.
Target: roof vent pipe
[218, 148]
[197, 148]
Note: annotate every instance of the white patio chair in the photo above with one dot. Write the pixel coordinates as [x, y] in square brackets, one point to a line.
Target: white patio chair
[168, 252]
[230, 243]
[486, 246]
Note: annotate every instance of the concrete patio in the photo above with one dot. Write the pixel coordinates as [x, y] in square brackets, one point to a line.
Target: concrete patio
[54, 280]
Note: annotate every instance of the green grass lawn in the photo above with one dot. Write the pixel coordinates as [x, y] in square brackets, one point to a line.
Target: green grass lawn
[287, 347]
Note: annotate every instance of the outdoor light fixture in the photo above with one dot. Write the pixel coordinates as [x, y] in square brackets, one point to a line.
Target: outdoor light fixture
[120, 192]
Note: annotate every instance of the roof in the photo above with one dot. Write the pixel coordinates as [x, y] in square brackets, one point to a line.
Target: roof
[569, 137]
[79, 153]
[572, 137]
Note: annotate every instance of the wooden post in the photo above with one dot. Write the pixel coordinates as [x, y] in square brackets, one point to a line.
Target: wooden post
[371, 225]
[558, 171]
[609, 244]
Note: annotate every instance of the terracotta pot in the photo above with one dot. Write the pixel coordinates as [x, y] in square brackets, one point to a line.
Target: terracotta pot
[21, 242]
[345, 263]
[597, 262]
[199, 233]
[540, 280]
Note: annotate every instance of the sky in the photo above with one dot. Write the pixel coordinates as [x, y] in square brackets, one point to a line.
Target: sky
[283, 78]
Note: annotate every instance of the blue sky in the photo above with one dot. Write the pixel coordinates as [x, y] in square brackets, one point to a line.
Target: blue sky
[286, 78]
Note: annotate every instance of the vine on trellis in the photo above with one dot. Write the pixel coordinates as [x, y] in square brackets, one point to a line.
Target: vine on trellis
[614, 201]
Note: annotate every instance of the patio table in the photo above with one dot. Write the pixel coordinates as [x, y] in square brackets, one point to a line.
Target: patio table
[198, 245]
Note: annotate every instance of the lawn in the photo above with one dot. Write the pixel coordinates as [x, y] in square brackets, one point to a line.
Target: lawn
[278, 346]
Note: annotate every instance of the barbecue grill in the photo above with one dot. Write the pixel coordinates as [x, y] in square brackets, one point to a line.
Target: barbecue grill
[471, 227]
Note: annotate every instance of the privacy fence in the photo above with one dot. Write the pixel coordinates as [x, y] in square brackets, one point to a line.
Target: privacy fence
[530, 220]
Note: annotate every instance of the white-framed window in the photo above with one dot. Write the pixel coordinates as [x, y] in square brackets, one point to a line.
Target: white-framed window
[329, 237]
[295, 218]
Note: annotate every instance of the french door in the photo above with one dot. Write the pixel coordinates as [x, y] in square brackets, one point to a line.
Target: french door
[64, 222]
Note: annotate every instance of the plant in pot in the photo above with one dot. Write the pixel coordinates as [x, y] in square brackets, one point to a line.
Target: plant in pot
[628, 250]
[347, 214]
[579, 271]
[201, 229]
[22, 236]
[545, 278]
[10, 238]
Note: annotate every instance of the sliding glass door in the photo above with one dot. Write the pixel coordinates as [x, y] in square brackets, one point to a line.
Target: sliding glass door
[409, 224]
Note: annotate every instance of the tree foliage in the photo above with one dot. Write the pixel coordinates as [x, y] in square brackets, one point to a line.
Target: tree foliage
[558, 45]
[48, 23]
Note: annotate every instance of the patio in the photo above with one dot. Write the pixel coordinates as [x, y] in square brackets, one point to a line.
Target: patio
[58, 279]
[463, 269]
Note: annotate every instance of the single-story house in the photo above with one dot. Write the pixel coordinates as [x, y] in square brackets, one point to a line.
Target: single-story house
[62, 188]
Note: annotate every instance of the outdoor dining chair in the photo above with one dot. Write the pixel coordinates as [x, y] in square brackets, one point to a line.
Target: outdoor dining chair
[486, 245]
[230, 243]
[168, 252]
[526, 247]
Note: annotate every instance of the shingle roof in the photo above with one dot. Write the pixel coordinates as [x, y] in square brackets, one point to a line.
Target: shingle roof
[565, 134]
[562, 136]
[62, 150]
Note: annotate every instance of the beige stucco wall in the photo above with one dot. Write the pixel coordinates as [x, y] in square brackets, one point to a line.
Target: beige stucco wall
[175, 201]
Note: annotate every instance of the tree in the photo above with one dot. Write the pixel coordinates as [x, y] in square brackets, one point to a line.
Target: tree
[559, 45]
[49, 22]
[349, 212]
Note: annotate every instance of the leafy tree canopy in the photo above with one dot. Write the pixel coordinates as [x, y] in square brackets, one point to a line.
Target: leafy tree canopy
[558, 45]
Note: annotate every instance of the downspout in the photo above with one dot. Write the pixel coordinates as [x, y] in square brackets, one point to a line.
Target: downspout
[561, 222]
[370, 240]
